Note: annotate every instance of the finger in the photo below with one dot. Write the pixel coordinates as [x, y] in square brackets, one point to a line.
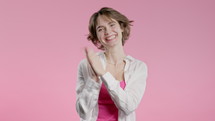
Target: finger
[87, 55]
[85, 50]
[90, 55]
[92, 70]
[90, 52]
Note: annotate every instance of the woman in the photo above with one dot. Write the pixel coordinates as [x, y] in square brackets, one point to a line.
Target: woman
[110, 84]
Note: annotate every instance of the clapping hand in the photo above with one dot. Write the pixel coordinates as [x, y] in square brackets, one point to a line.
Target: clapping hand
[94, 62]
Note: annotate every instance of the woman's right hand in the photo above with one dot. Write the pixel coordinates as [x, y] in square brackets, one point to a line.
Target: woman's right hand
[92, 74]
[94, 62]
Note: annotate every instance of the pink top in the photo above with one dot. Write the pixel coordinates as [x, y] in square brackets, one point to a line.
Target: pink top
[107, 109]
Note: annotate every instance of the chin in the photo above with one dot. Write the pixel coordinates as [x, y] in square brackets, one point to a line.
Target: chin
[112, 44]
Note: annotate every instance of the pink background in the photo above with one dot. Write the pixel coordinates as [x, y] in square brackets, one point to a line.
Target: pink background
[41, 44]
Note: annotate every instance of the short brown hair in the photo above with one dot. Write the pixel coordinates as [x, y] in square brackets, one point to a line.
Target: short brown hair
[123, 21]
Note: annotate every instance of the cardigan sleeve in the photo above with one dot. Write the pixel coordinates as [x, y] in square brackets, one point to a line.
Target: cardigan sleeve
[87, 91]
[127, 100]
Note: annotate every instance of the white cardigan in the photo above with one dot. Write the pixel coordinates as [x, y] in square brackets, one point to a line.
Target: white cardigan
[127, 100]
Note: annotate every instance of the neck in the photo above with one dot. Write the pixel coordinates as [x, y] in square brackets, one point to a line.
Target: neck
[115, 54]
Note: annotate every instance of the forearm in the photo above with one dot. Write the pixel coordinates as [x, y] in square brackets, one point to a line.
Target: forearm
[126, 100]
[87, 98]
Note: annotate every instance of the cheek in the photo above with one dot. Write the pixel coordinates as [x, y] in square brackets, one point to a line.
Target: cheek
[118, 29]
[99, 35]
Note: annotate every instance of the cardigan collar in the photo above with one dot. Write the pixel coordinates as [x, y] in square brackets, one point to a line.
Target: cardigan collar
[127, 58]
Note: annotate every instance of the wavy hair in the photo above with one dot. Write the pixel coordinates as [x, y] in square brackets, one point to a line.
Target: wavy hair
[110, 13]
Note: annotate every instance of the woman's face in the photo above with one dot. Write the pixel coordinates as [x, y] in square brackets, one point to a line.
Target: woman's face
[109, 32]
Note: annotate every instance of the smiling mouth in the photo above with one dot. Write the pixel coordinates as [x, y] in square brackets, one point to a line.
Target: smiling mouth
[110, 38]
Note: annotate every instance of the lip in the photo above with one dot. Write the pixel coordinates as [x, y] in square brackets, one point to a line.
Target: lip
[110, 38]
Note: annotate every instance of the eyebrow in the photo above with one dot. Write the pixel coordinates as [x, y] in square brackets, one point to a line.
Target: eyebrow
[111, 22]
[98, 27]
[108, 23]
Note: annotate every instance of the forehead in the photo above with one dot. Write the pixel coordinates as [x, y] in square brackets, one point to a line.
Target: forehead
[102, 19]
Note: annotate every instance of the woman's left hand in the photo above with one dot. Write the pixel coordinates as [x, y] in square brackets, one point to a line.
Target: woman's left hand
[94, 62]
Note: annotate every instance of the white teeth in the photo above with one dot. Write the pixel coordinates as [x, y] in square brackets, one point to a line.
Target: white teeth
[111, 37]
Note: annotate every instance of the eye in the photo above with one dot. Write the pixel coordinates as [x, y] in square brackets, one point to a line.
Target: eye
[113, 24]
[100, 29]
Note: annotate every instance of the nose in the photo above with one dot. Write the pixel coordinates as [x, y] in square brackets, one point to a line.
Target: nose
[107, 30]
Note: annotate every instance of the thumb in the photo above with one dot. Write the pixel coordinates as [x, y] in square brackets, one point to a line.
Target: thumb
[89, 51]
